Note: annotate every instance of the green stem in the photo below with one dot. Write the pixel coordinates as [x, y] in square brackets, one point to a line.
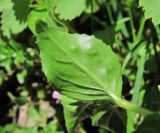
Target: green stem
[132, 107]
[132, 24]
[129, 55]
[136, 88]
[11, 96]
[92, 24]
[126, 60]
[141, 28]
[109, 13]
[99, 21]
[139, 77]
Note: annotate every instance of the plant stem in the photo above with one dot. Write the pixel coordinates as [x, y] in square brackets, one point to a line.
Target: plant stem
[132, 107]
[132, 24]
[126, 60]
[141, 28]
[109, 12]
[92, 23]
[99, 21]
[139, 77]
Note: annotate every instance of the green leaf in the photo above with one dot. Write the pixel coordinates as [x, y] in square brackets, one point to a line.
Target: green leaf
[152, 98]
[39, 12]
[8, 128]
[68, 10]
[150, 124]
[51, 128]
[37, 116]
[14, 15]
[26, 130]
[5, 4]
[70, 112]
[93, 6]
[11, 54]
[108, 117]
[21, 76]
[74, 112]
[151, 8]
[80, 66]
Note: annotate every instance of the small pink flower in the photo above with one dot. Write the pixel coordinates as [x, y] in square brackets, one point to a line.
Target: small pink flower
[55, 96]
[58, 102]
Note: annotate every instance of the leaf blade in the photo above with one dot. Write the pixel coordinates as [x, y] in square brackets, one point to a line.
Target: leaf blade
[80, 54]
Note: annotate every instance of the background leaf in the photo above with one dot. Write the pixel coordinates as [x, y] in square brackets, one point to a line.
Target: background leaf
[109, 117]
[151, 8]
[14, 15]
[150, 124]
[68, 10]
[39, 12]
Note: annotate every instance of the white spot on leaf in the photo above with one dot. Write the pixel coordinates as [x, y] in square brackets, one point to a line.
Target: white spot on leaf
[102, 71]
[85, 42]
